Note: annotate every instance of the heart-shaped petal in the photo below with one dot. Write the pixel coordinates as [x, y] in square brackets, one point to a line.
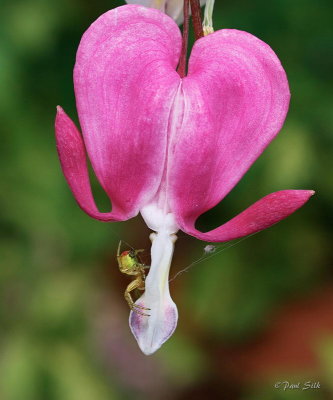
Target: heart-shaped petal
[125, 82]
[236, 98]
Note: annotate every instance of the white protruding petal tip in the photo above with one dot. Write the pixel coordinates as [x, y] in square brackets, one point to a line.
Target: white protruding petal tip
[151, 332]
[155, 317]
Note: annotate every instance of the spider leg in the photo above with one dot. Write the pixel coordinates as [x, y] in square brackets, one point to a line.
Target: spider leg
[139, 251]
[137, 283]
[143, 266]
[118, 250]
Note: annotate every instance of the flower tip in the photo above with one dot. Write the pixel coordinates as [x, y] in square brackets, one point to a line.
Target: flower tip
[149, 349]
[61, 122]
[152, 331]
[60, 113]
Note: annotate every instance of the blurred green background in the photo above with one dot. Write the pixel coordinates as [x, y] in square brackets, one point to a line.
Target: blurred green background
[257, 313]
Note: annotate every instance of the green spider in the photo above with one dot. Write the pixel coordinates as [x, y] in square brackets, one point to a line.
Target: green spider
[130, 264]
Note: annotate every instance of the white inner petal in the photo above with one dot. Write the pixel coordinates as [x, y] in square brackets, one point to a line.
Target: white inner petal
[153, 330]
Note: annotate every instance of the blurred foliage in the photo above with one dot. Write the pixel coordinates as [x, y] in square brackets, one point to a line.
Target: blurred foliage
[64, 332]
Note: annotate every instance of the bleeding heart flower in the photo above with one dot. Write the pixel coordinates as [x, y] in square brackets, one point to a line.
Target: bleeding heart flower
[174, 8]
[171, 147]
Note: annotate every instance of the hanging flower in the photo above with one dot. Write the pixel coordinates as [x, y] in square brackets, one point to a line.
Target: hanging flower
[174, 8]
[168, 147]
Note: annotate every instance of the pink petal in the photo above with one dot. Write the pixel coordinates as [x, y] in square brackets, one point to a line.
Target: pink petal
[125, 82]
[235, 98]
[264, 213]
[72, 156]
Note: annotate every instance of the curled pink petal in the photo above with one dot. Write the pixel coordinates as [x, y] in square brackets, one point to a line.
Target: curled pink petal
[125, 81]
[72, 156]
[235, 100]
[261, 215]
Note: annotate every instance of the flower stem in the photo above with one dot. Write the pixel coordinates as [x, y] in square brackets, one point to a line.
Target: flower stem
[182, 62]
[196, 19]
